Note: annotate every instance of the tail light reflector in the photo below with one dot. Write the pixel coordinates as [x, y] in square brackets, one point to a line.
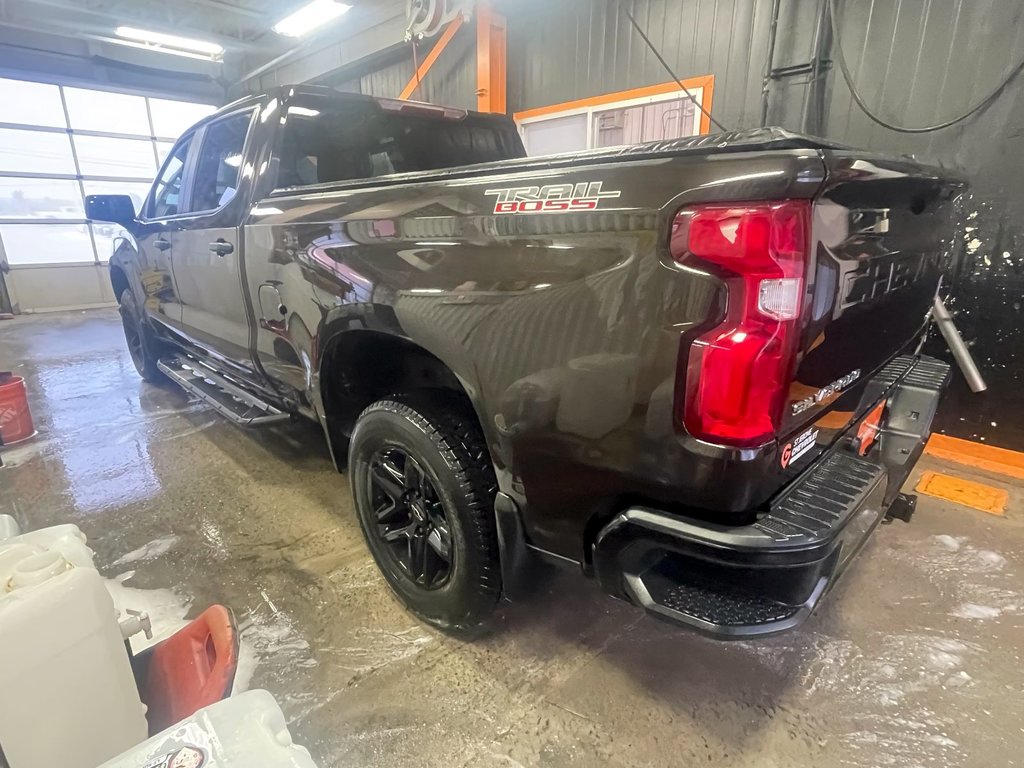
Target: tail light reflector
[735, 376]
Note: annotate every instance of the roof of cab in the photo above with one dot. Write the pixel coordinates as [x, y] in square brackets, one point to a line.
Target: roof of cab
[288, 92]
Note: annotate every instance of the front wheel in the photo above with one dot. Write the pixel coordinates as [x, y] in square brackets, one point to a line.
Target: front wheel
[143, 346]
[424, 491]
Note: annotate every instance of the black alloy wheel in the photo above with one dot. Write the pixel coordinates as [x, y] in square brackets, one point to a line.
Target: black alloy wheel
[410, 517]
[424, 487]
[143, 345]
[133, 337]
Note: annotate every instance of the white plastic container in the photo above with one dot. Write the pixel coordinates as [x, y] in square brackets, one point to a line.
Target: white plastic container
[9, 528]
[67, 695]
[66, 539]
[245, 731]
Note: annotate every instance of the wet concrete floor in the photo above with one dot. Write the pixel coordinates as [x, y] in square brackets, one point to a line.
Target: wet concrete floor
[914, 661]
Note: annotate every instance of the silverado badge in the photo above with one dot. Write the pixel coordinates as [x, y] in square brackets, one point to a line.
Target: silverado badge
[826, 392]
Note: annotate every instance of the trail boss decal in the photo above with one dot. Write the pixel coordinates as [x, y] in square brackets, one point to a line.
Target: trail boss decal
[554, 198]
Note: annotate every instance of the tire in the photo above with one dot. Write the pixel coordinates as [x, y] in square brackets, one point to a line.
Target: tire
[453, 511]
[143, 346]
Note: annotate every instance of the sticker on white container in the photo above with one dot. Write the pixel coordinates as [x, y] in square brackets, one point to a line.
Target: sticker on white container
[187, 756]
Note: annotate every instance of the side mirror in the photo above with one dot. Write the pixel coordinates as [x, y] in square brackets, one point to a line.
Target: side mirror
[117, 209]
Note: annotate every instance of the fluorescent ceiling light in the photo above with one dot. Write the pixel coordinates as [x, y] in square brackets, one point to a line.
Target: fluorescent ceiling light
[169, 43]
[309, 17]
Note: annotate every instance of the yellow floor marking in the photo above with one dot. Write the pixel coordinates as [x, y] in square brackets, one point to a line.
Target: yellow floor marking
[977, 455]
[966, 492]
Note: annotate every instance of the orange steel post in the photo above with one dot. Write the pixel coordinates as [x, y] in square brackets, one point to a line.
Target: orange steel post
[490, 59]
[439, 46]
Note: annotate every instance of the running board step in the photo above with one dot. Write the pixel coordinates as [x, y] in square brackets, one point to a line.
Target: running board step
[227, 398]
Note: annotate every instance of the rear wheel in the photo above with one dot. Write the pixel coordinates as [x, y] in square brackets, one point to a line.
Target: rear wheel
[424, 492]
[143, 346]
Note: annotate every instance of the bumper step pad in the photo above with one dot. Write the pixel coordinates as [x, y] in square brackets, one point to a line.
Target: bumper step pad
[229, 399]
[712, 602]
[823, 499]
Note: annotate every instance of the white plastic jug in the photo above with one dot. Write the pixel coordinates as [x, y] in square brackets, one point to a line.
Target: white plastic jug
[66, 539]
[244, 731]
[9, 527]
[67, 695]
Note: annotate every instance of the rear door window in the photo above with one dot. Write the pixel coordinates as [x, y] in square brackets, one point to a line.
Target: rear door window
[220, 162]
[341, 141]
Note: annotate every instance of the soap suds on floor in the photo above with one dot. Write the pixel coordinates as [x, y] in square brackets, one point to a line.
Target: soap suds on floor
[949, 542]
[150, 551]
[975, 611]
[269, 634]
[877, 682]
[372, 649]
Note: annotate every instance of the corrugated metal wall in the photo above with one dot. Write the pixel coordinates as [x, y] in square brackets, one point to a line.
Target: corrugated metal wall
[577, 48]
[920, 62]
[915, 61]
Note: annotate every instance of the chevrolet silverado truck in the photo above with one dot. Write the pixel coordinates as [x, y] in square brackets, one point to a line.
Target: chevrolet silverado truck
[690, 368]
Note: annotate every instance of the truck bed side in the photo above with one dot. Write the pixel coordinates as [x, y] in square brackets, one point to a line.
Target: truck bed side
[563, 326]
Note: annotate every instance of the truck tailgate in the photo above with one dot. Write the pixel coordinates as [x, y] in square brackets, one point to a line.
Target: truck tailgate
[882, 238]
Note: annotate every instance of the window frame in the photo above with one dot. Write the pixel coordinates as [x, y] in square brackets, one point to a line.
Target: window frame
[651, 94]
[319, 101]
[195, 154]
[146, 214]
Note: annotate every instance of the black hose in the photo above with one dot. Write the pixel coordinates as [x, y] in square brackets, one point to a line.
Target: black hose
[664, 63]
[992, 95]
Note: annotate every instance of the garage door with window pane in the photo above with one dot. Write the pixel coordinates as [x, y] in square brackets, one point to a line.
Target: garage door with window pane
[59, 144]
[652, 113]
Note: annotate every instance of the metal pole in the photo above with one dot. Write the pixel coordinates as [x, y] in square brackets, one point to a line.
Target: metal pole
[961, 354]
[769, 61]
[814, 96]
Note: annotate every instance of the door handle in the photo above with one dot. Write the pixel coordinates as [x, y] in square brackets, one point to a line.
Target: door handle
[222, 247]
[161, 245]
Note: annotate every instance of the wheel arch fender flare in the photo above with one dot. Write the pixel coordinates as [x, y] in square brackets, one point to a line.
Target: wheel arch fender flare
[362, 322]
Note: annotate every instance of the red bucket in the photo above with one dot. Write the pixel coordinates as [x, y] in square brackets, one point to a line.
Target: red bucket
[15, 418]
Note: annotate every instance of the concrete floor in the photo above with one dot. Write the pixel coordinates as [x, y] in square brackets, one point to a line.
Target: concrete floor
[914, 661]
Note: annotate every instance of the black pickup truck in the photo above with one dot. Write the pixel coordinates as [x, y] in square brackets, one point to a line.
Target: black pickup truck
[689, 368]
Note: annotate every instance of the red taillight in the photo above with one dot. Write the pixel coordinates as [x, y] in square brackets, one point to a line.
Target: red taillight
[737, 374]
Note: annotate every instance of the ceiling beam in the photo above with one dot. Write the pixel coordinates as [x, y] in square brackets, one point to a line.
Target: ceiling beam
[62, 24]
[220, 5]
[366, 31]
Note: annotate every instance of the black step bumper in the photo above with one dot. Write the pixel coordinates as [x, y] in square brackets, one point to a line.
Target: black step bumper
[767, 577]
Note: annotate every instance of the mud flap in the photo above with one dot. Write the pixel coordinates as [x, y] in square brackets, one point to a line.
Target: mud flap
[514, 554]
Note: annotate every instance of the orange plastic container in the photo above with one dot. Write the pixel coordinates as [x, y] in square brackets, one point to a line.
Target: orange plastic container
[15, 418]
[192, 669]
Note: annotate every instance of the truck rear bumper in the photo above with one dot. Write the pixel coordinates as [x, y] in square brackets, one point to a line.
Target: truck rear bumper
[767, 577]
